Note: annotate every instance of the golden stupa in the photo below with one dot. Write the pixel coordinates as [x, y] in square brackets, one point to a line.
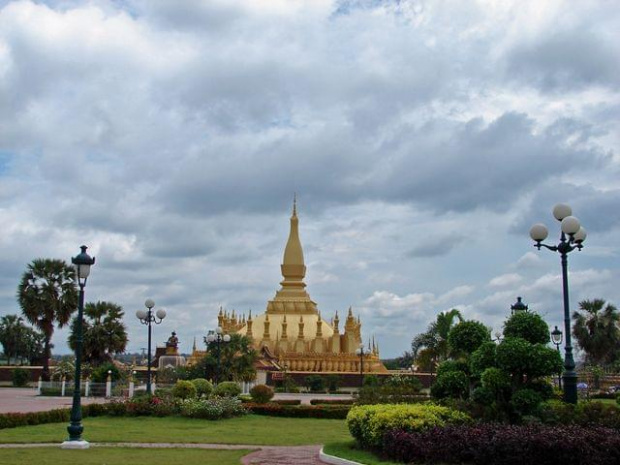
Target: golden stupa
[292, 332]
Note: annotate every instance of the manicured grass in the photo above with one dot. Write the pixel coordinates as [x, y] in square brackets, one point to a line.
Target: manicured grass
[103, 455]
[250, 429]
[347, 450]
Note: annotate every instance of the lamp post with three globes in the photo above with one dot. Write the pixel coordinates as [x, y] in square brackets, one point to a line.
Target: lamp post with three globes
[148, 317]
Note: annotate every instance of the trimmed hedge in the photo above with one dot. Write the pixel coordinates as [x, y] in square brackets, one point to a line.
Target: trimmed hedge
[494, 443]
[338, 412]
[332, 401]
[368, 423]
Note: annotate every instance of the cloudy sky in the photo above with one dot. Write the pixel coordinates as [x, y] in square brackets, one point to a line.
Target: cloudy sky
[423, 139]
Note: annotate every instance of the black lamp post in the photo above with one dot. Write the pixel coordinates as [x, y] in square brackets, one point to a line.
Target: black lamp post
[556, 338]
[571, 238]
[217, 339]
[148, 317]
[360, 352]
[82, 263]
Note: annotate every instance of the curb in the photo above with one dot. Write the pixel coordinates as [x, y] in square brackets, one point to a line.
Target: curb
[333, 460]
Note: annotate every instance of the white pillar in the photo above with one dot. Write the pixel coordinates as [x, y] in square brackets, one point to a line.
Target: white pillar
[131, 388]
[39, 386]
[108, 386]
[62, 387]
[87, 387]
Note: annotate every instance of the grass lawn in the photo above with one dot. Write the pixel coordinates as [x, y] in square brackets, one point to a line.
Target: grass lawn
[347, 450]
[102, 455]
[250, 429]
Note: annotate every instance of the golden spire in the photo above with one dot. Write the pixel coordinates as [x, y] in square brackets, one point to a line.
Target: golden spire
[293, 268]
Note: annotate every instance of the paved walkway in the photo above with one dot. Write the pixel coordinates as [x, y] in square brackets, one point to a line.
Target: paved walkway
[23, 400]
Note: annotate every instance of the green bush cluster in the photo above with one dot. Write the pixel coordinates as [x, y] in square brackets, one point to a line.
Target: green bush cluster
[204, 387]
[368, 423]
[214, 408]
[184, 390]
[261, 394]
[227, 389]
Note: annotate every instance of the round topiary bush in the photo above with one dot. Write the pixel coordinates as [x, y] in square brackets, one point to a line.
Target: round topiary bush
[203, 387]
[184, 390]
[227, 389]
[261, 394]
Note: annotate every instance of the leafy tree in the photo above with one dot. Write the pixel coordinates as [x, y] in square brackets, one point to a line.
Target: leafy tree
[431, 347]
[467, 336]
[237, 359]
[47, 296]
[104, 333]
[34, 346]
[596, 331]
[529, 326]
[12, 331]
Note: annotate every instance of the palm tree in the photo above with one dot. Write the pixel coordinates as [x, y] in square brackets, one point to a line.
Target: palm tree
[104, 333]
[596, 331]
[47, 296]
[434, 342]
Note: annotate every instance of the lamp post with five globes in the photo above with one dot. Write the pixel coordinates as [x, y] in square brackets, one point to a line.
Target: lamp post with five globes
[571, 238]
[148, 317]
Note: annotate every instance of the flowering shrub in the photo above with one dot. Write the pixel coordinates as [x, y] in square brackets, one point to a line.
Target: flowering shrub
[494, 443]
[261, 394]
[367, 424]
[214, 408]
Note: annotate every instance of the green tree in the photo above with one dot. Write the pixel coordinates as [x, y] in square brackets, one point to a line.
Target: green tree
[467, 336]
[47, 296]
[529, 326]
[237, 359]
[12, 331]
[34, 346]
[431, 347]
[104, 333]
[596, 331]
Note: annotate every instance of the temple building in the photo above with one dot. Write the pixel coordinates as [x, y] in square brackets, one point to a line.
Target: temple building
[292, 333]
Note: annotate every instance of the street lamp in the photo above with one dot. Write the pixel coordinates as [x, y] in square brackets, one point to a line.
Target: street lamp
[360, 352]
[556, 338]
[148, 317]
[518, 306]
[217, 338]
[82, 263]
[571, 238]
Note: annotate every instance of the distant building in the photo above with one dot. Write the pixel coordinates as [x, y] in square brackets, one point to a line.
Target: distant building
[292, 335]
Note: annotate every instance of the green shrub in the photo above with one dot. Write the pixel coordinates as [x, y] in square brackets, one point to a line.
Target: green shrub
[261, 394]
[100, 374]
[214, 408]
[338, 412]
[315, 383]
[333, 382]
[368, 424]
[20, 377]
[227, 389]
[525, 401]
[203, 387]
[453, 384]
[184, 390]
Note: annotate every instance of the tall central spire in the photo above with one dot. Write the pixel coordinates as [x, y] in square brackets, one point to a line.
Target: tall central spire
[293, 267]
